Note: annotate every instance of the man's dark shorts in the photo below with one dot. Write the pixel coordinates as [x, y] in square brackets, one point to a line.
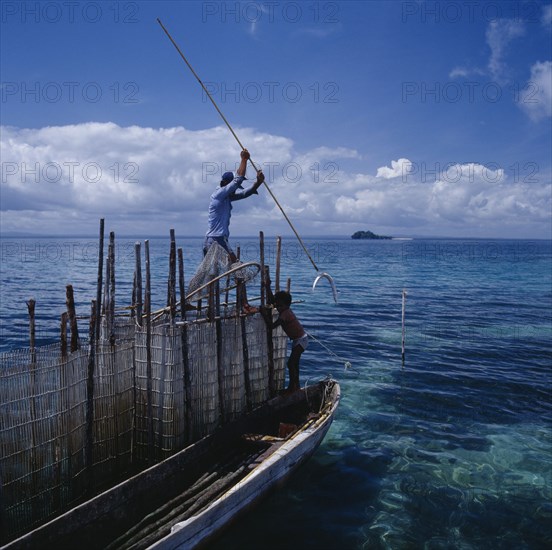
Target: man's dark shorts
[223, 241]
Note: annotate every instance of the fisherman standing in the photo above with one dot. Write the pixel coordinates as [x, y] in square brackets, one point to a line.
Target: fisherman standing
[220, 206]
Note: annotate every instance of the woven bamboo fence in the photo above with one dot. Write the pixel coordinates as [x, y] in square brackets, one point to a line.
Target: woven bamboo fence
[76, 419]
[137, 419]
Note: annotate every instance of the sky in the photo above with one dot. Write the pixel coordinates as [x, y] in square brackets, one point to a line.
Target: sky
[405, 118]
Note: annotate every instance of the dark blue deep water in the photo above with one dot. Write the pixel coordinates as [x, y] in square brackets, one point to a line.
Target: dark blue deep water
[451, 450]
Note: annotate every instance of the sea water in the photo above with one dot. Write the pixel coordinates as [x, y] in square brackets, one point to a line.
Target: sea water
[451, 449]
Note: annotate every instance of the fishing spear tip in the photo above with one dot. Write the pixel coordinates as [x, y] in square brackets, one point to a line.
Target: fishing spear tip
[327, 276]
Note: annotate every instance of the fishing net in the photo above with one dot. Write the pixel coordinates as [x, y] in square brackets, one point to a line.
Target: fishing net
[214, 265]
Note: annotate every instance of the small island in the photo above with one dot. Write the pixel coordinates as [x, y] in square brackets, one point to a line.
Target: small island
[368, 235]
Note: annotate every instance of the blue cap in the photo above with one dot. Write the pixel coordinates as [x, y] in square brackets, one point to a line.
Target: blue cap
[227, 177]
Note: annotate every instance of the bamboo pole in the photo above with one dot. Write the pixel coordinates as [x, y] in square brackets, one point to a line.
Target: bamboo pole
[187, 383]
[138, 274]
[63, 331]
[133, 303]
[181, 284]
[111, 303]
[139, 321]
[212, 317]
[278, 259]
[32, 328]
[106, 293]
[164, 511]
[268, 286]
[403, 337]
[268, 329]
[159, 523]
[70, 303]
[161, 398]
[270, 359]
[111, 334]
[171, 285]
[66, 420]
[149, 373]
[99, 285]
[239, 300]
[35, 511]
[245, 349]
[240, 144]
[89, 440]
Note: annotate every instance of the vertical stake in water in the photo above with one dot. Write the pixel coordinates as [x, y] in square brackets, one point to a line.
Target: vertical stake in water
[89, 440]
[171, 286]
[278, 257]
[70, 303]
[149, 371]
[181, 284]
[403, 325]
[32, 329]
[138, 277]
[98, 315]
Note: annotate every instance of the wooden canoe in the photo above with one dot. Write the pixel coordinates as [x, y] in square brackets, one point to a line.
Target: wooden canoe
[187, 499]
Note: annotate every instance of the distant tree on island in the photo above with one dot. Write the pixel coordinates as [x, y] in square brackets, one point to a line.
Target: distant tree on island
[368, 235]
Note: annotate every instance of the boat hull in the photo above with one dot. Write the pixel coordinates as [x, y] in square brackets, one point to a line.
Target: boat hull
[188, 511]
[272, 472]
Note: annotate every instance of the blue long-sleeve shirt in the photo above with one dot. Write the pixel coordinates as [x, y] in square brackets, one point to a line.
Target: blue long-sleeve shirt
[220, 207]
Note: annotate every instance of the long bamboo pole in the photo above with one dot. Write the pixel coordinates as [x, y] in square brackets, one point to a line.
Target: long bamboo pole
[325, 275]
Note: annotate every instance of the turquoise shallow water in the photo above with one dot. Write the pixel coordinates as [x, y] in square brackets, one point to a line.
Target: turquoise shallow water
[451, 450]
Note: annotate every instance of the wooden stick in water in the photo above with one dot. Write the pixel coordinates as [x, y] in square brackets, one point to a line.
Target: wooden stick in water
[181, 284]
[403, 325]
[171, 286]
[63, 328]
[278, 258]
[149, 373]
[133, 303]
[70, 302]
[138, 272]
[32, 328]
[89, 441]
[99, 287]
[111, 303]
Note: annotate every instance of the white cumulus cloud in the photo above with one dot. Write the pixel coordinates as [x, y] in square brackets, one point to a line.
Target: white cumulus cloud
[61, 180]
